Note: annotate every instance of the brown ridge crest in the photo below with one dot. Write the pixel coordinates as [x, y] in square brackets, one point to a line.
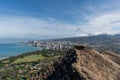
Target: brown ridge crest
[82, 63]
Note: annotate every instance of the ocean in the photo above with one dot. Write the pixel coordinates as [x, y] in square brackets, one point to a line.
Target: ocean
[13, 49]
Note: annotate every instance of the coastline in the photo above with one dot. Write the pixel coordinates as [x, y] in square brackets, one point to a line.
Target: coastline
[11, 50]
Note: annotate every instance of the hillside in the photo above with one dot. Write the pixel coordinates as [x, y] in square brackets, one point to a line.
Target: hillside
[91, 39]
[82, 63]
[22, 66]
[99, 42]
[114, 57]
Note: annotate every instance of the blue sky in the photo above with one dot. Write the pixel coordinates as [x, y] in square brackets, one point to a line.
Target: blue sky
[46, 19]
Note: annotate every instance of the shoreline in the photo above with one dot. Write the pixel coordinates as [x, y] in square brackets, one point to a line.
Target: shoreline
[2, 58]
[19, 50]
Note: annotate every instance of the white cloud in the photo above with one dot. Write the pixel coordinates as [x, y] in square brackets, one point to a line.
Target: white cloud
[106, 23]
[35, 28]
[91, 20]
[39, 28]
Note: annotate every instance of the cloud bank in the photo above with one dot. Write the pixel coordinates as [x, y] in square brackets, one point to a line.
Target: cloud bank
[104, 24]
[87, 20]
[21, 27]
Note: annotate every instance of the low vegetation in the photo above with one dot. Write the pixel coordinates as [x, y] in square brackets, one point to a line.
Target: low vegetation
[30, 58]
[22, 66]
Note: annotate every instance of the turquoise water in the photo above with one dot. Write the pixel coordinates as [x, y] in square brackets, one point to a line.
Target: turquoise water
[13, 49]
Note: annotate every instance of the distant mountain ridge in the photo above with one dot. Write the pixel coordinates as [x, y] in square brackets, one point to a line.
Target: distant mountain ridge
[94, 37]
[99, 42]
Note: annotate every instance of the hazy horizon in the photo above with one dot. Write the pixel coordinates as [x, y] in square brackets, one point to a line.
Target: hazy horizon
[17, 40]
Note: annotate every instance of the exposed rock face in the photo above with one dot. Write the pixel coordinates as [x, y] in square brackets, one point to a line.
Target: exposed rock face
[80, 46]
[82, 64]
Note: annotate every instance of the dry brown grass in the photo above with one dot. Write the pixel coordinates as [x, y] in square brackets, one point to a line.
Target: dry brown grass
[96, 66]
[114, 57]
[84, 64]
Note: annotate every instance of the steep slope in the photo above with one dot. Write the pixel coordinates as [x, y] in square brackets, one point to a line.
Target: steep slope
[95, 66]
[82, 63]
[111, 55]
[60, 70]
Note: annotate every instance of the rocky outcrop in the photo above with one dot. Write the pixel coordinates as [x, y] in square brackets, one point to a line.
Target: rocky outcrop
[82, 64]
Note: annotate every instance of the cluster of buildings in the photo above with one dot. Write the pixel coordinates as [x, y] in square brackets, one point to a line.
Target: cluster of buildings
[52, 45]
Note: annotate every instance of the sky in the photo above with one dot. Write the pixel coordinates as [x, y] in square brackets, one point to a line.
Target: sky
[47, 19]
